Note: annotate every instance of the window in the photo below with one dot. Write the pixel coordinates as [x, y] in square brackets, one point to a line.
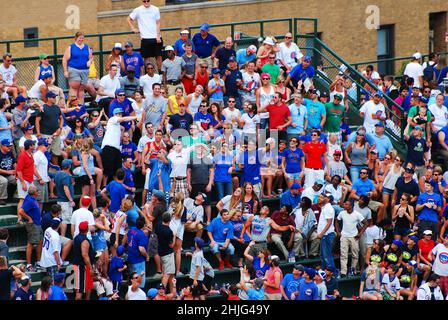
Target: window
[31, 33]
[385, 49]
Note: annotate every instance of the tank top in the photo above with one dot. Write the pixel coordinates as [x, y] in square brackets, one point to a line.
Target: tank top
[34, 92]
[201, 80]
[265, 99]
[90, 165]
[332, 94]
[175, 105]
[137, 295]
[98, 134]
[78, 57]
[115, 220]
[391, 178]
[194, 103]
[358, 155]
[284, 94]
[270, 276]
[248, 207]
[260, 229]
[403, 222]
[77, 253]
[43, 295]
[44, 71]
[98, 240]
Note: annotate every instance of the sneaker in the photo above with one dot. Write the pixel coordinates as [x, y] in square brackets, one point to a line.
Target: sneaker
[30, 268]
[65, 263]
[221, 265]
[38, 266]
[179, 274]
[158, 275]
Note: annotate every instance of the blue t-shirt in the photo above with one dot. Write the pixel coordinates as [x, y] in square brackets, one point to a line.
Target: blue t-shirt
[134, 60]
[259, 270]
[31, 208]
[23, 295]
[128, 179]
[298, 116]
[242, 57]
[115, 264]
[179, 47]
[204, 119]
[62, 179]
[116, 193]
[255, 294]
[222, 164]
[136, 239]
[77, 114]
[238, 226]
[252, 165]
[288, 199]
[293, 159]
[221, 231]
[126, 106]
[308, 291]
[299, 73]
[436, 186]
[128, 150]
[315, 111]
[290, 284]
[132, 216]
[383, 145]
[204, 47]
[57, 293]
[363, 186]
[429, 214]
[155, 165]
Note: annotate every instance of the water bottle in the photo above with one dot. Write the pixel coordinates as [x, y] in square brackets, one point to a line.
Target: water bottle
[292, 256]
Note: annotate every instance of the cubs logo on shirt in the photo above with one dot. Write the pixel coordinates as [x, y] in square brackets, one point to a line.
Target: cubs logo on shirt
[443, 258]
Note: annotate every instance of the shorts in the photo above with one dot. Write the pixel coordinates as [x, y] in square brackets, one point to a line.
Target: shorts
[267, 171]
[140, 268]
[153, 245]
[34, 233]
[215, 249]
[83, 279]
[94, 82]
[168, 264]
[180, 186]
[78, 75]
[66, 212]
[85, 181]
[22, 194]
[272, 296]
[43, 191]
[293, 176]
[150, 48]
[401, 231]
[388, 191]
[374, 205]
[55, 146]
[197, 290]
[103, 288]
[64, 241]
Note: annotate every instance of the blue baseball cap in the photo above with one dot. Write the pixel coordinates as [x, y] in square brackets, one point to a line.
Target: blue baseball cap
[158, 194]
[152, 293]
[311, 272]
[6, 142]
[20, 99]
[414, 238]
[120, 250]
[118, 110]
[29, 127]
[205, 27]
[42, 142]
[199, 242]
[51, 94]
[28, 143]
[232, 59]
[66, 163]
[424, 100]
[379, 124]
[418, 128]
[46, 76]
[295, 185]
[55, 222]
[119, 91]
[378, 93]
[59, 277]
[307, 58]
[215, 70]
[319, 181]
[397, 243]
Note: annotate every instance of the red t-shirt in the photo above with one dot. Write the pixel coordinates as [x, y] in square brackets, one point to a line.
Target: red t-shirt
[25, 164]
[426, 248]
[314, 153]
[153, 149]
[278, 115]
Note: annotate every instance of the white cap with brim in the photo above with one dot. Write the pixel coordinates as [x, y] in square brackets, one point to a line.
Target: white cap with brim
[427, 232]
[169, 48]
[417, 55]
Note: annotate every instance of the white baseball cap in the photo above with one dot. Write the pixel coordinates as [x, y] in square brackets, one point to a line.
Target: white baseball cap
[185, 31]
[417, 55]
[169, 48]
[269, 40]
[117, 45]
[427, 232]
[375, 75]
[252, 48]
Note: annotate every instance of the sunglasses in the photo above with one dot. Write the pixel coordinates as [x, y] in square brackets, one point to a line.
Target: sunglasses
[436, 174]
[95, 115]
[136, 278]
[231, 101]
[265, 79]
[337, 155]
[363, 173]
[314, 135]
[146, 1]
[404, 199]
[204, 67]
[271, 57]
[288, 37]
[398, 159]
[121, 95]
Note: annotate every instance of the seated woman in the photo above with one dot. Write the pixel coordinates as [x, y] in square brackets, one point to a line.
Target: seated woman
[369, 288]
[241, 238]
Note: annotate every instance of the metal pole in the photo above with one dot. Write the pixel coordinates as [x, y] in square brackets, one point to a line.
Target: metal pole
[55, 60]
[101, 55]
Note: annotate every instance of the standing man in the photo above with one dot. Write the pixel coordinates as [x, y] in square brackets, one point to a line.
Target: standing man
[148, 20]
[415, 70]
[383, 143]
[233, 80]
[314, 151]
[438, 257]
[173, 69]
[21, 119]
[7, 169]
[51, 252]
[41, 177]
[300, 73]
[223, 54]
[25, 171]
[325, 230]
[137, 249]
[289, 54]
[149, 79]
[272, 68]
[334, 111]
[279, 115]
[299, 118]
[428, 206]
[83, 258]
[373, 112]
[65, 193]
[206, 45]
[155, 108]
[133, 58]
[166, 239]
[49, 123]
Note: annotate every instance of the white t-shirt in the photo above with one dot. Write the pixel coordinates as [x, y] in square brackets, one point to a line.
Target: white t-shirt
[250, 123]
[143, 141]
[440, 115]
[146, 83]
[349, 223]
[414, 70]
[312, 194]
[41, 164]
[8, 73]
[251, 81]
[80, 215]
[113, 134]
[232, 116]
[179, 163]
[139, 295]
[194, 212]
[51, 244]
[368, 109]
[372, 233]
[336, 193]
[23, 139]
[146, 19]
[440, 263]
[34, 92]
[327, 213]
[109, 85]
[393, 285]
[289, 54]
[226, 203]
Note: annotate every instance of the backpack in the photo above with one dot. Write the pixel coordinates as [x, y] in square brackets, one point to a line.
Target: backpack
[428, 72]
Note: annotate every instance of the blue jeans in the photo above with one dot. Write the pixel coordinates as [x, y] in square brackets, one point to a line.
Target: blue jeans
[354, 172]
[326, 256]
[264, 123]
[223, 189]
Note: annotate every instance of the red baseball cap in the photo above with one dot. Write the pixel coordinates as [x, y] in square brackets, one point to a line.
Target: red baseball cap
[83, 226]
[86, 201]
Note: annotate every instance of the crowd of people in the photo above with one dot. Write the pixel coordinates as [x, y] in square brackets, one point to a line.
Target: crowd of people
[215, 135]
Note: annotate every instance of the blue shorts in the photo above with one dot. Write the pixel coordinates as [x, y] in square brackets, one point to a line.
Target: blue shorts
[388, 191]
[215, 249]
[293, 176]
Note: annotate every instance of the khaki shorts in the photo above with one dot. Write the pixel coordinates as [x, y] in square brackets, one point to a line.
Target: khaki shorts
[67, 212]
[272, 296]
[168, 264]
[22, 194]
[34, 233]
[64, 241]
[43, 191]
[78, 75]
[55, 147]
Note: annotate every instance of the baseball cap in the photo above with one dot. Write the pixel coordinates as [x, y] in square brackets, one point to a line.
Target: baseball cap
[185, 31]
[375, 75]
[43, 56]
[330, 269]
[307, 58]
[414, 238]
[322, 274]
[375, 151]
[379, 124]
[46, 76]
[66, 163]
[269, 41]
[152, 293]
[42, 142]
[130, 68]
[311, 272]
[160, 195]
[28, 143]
[252, 48]
[295, 185]
[319, 181]
[337, 152]
[119, 91]
[258, 283]
[6, 142]
[55, 222]
[427, 233]
[20, 99]
[339, 96]
[323, 94]
[328, 195]
[85, 201]
[199, 242]
[51, 94]
[128, 44]
[424, 100]
[118, 110]
[397, 243]
[274, 257]
[265, 75]
[24, 281]
[204, 196]
[29, 127]
[378, 93]
[120, 250]
[232, 59]
[299, 267]
[215, 70]
[117, 45]
[205, 27]
[83, 226]
[417, 55]
[169, 48]
[59, 277]
[409, 170]
[418, 128]
[160, 286]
